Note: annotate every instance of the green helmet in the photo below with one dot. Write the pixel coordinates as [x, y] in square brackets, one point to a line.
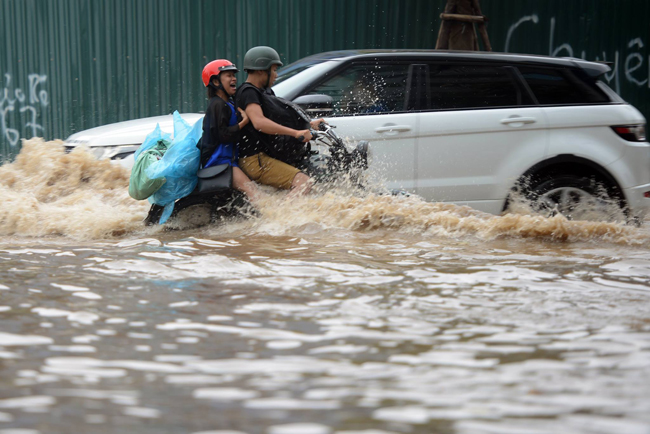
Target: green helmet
[261, 58]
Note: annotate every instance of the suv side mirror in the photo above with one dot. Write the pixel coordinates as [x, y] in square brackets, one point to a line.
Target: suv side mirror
[316, 105]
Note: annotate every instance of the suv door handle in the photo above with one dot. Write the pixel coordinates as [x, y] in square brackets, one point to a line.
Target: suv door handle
[518, 120]
[393, 129]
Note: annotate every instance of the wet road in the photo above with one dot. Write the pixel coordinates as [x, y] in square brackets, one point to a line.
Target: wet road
[330, 314]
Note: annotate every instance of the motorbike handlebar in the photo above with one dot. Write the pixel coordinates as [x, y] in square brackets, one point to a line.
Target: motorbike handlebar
[324, 126]
[314, 134]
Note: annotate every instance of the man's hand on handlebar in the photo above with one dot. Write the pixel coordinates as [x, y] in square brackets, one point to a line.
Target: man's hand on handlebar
[315, 124]
[303, 135]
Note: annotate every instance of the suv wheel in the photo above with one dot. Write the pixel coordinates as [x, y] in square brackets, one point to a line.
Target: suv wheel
[577, 197]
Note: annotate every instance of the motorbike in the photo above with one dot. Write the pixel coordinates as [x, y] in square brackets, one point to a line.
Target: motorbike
[326, 158]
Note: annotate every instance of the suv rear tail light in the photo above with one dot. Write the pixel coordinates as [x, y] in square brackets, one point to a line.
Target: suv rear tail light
[631, 133]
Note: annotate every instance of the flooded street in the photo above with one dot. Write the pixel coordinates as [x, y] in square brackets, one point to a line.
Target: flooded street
[327, 314]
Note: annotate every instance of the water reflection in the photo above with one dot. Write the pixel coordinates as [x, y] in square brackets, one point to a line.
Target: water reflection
[358, 332]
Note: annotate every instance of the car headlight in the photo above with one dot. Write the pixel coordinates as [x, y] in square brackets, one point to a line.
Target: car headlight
[113, 152]
[70, 145]
[98, 152]
[121, 152]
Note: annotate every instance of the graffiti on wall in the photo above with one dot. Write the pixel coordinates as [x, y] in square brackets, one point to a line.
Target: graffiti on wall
[16, 100]
[628, 64]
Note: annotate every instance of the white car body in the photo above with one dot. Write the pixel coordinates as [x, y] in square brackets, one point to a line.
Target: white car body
[444, 158]
[120, 140]
[465, 156]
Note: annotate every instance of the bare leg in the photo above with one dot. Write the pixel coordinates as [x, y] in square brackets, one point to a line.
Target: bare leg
[242, 183]
[300, 185]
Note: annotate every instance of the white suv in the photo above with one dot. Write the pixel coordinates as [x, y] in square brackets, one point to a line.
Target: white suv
[469, 128]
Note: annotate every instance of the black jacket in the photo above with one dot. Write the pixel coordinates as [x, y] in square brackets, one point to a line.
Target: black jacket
[216, 129]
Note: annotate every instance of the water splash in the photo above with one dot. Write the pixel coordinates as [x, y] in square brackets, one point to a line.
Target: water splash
[49, 192]
[413, 215]
[46, 191]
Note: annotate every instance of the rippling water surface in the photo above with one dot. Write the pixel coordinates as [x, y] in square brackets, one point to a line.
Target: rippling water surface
[329, 314]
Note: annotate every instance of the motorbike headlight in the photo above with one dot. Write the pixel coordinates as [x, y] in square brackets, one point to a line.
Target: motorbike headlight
[363, 147]
[361, 154]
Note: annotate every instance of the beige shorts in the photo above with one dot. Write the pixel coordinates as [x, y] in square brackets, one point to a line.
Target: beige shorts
[269, 171]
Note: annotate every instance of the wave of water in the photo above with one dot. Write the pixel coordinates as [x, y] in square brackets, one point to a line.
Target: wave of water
[46, 191]
[49, 192]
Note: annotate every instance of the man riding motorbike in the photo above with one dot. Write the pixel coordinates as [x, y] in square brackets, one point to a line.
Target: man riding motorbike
[277, 138]
[261, 64]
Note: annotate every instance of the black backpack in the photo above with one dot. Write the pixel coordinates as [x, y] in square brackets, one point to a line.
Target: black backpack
[285, 148]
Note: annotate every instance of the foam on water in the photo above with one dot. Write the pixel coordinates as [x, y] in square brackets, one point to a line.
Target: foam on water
[48, 192]
[413, 215]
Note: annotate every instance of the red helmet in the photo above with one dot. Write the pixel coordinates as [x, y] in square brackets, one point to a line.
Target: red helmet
[216, 67]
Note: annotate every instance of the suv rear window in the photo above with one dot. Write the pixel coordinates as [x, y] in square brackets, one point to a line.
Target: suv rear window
[559, 86]
[472, 86]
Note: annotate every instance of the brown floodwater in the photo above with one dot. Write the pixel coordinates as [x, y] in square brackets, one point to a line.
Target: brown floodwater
[338, 313]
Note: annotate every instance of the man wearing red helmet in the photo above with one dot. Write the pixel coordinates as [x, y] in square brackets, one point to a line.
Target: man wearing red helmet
[222, 124]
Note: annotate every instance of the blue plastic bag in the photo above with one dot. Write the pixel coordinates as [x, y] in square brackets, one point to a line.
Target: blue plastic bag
[151, 140]
[178, 166]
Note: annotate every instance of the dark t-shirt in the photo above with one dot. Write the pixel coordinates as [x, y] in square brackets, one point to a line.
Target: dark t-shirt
[251, 141]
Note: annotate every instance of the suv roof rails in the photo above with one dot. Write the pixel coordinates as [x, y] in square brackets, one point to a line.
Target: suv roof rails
[578, 59]
[593, 68]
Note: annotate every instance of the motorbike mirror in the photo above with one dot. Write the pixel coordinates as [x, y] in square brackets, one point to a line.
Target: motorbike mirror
[316, 105]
